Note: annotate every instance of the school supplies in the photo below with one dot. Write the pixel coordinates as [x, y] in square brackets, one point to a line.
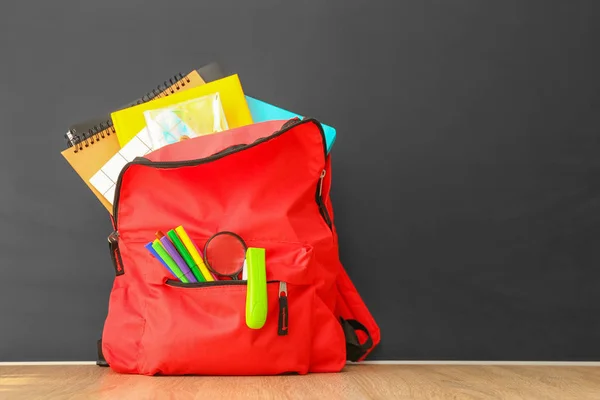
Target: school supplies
[189, 119]
[245, 269]
[157, 256]
[178, 260]
[106, 177]
[169, 87]
[186, 255]
[194, 252]
[151, 326]
[130, 122]
[256, 295]
[104, 180]
[224, 254]
[172, 266]
[80, 132]
[86, 161]
[262, 111]
[91, 144]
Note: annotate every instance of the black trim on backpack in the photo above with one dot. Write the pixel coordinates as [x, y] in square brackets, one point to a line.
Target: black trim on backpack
[101, 362]
[231, 150]
[354, 349]
[290, 122]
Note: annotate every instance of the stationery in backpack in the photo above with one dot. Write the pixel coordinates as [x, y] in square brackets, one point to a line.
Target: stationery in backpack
[86, 157]
[170, 86]
[262, 111]
[182, 121]
[129, 122]
[93, 143]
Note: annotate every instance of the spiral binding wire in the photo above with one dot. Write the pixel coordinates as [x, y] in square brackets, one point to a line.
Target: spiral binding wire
[79, 140]
[164, 89]
[97, 132]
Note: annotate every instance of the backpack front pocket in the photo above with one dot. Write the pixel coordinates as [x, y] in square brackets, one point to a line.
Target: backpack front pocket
[201, 329]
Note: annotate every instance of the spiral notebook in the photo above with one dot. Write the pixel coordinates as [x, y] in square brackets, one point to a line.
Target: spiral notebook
[80, 131]
[93, 143]
[130, 122]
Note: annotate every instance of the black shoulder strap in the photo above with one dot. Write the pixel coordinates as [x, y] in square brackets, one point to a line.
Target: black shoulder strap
[101, 362]
[354, 349]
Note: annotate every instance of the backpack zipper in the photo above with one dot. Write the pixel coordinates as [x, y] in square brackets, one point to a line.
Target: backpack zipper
[234, 149]
[223, 153]
[321, 203]
[283, 314]
[173, 282]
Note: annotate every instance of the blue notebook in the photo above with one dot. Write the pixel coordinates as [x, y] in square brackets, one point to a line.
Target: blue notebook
[262, 112]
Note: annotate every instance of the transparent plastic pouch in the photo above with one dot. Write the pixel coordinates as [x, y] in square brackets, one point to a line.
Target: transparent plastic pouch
[197, 117]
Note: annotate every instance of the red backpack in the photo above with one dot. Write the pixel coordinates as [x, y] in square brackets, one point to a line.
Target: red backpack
[270, 184]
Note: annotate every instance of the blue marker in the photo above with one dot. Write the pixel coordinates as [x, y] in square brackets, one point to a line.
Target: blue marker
[155, 254]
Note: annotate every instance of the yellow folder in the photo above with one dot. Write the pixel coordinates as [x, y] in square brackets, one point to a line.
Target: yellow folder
[130, 121]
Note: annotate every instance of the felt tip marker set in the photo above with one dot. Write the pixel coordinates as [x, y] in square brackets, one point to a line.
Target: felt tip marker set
[226, 257]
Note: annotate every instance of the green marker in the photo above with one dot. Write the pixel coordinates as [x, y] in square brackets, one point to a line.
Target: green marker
[158, 247]
[185, 254]
[256, 296]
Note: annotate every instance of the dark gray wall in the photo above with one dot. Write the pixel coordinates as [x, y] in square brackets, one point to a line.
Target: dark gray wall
[466, 171]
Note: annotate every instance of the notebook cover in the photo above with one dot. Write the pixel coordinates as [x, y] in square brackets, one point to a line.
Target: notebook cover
[86, 161]
[262, 112]
[91, 153]
[211, 72]
[172, 86]
[130, 122]
[193, 79]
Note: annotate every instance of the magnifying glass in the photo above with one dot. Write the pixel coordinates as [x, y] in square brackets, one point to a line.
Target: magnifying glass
[224, 254]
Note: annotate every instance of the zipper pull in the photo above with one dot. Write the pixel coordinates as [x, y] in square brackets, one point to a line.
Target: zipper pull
[321, 182]
[115, 254]
[282, 325]
[113, 237]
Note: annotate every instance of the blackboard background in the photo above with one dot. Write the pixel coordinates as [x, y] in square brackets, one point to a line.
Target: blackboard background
[466, 171]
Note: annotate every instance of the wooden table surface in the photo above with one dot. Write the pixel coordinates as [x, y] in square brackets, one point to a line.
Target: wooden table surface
[355, 382]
